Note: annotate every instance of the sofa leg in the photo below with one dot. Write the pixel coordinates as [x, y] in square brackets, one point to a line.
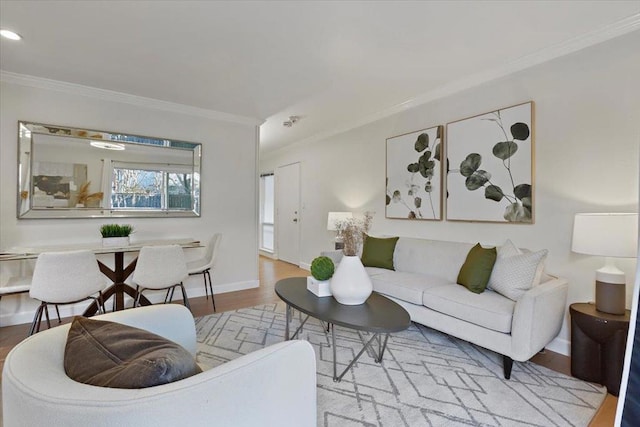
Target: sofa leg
[507, 364]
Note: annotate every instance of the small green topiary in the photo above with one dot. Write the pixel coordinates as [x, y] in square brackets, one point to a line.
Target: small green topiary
[322, 268]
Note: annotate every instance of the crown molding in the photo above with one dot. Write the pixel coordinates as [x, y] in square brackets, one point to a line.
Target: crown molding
[617, 29]
[125, 98]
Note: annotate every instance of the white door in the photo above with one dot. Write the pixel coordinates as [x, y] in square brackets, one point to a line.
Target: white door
[288, 213]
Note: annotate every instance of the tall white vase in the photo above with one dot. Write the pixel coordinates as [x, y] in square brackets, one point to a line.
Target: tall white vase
[350, 284]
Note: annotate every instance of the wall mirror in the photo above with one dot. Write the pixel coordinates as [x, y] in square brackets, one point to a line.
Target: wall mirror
[74, 173]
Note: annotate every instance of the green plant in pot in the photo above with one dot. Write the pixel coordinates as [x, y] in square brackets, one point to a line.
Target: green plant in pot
[115, 234]
[322, 269]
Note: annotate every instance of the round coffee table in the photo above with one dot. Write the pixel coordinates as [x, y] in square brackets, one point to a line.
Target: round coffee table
[378, 315]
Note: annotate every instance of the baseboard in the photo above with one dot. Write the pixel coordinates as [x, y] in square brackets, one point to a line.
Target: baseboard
[305, 266]
[193, 290]
[560, 345]
[267, 254]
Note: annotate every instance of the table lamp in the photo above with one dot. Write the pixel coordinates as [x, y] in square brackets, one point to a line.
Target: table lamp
[332, 221]
[612, 235]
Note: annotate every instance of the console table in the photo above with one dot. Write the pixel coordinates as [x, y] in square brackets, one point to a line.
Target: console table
[117, 275]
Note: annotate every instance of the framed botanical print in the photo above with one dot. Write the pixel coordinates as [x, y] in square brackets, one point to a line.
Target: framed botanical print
[491, 163]
[414, 175]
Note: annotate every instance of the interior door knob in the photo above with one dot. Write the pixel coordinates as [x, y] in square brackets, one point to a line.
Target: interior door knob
[295, 219]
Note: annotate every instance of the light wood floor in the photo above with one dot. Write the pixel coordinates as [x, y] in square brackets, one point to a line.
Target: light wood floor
[270, 272]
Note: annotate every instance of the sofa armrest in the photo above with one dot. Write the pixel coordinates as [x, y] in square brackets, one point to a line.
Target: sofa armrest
[537, 318]
[171, 321]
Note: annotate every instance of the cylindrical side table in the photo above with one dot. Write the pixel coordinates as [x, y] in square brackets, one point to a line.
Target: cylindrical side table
[598, 343]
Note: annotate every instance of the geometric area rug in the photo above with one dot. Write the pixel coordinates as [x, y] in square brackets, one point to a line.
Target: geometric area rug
[426, 378]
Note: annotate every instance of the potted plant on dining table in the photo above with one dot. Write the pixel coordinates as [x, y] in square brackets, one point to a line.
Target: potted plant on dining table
[115, 235]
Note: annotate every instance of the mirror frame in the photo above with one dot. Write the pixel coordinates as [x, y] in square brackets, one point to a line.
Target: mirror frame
[26, 130]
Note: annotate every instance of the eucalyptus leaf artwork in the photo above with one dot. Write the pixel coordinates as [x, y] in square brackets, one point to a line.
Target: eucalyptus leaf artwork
[414, 175]
[490, 173]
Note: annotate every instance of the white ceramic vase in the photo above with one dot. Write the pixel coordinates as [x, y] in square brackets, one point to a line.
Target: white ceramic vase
[350, 284]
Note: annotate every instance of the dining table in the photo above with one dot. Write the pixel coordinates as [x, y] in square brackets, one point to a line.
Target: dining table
[118, 274]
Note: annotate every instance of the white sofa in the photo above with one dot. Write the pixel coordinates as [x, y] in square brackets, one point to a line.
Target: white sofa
[253, 390]
[424, 283]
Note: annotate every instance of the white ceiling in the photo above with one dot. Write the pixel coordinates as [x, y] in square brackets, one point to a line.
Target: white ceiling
[336, 64]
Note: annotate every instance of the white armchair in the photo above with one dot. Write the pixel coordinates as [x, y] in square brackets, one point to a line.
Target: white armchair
[272, 386]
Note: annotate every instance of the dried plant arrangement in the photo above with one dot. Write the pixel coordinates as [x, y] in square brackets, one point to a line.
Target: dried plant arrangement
[84, 197]
[352, 231]
[116, 230]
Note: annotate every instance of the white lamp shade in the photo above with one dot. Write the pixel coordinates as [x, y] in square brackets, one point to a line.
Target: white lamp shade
[335, 217]
[606, 234]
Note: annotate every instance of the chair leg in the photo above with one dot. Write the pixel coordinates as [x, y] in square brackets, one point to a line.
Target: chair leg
[213, 300]
[46, 312]
[136, 300]
[37, 318]
[206, 291]
[58, 313]
[184, 296]
[166, 297]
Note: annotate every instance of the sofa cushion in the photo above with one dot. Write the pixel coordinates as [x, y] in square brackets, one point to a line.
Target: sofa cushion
[476, 270]
[110, 354]
[432, 257]
[488, 309]
[514, 275]
[404, 286]
[378, 252]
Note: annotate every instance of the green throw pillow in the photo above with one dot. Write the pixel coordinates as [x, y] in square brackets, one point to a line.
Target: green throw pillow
[476, 270]
[378, 252]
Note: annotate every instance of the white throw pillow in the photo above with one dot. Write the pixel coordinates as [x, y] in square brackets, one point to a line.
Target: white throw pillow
[515, 272]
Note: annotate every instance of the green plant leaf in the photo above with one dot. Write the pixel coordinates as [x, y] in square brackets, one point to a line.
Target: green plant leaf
[526, 202]
[516, 212]
[418, 202]
[521, 191]
[504, 150]
[427, 187]
[425, 157]
[477, 180]
[412, 215]
[388, 201]
[470, 164]
[493, 192]
[520, 131]
[422, 142]
[396, 196]
[436, 152]
[413, 167]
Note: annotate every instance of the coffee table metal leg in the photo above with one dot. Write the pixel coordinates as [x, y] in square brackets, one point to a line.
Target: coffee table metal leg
[286, 323]
[337, 378]
[382, 348]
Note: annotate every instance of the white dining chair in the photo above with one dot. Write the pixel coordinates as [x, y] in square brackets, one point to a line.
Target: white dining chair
[160, 268]
[205, 264]
[61, 278]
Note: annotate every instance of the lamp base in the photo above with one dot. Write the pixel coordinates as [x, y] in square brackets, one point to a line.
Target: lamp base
[610, 297]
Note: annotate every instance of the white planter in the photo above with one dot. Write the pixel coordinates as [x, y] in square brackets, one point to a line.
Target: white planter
[112, 242]
[350, 284]
[319, 288]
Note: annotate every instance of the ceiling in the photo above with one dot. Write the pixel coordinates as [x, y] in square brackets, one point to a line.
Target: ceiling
[335, 64]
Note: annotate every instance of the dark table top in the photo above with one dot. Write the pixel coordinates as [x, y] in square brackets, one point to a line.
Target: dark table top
[590, 310]
[377, 314]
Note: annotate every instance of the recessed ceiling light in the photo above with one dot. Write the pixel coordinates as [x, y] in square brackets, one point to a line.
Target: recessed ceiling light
[107, 145]
[8, 34]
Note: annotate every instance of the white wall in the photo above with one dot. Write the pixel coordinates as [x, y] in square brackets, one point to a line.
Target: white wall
[229, 185]
[587, 134]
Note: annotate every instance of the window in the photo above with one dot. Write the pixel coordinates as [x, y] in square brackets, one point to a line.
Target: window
[266, 212]
[162, 187]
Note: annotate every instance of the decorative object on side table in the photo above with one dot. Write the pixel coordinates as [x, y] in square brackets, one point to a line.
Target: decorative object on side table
[332, 225]
[322, 270]
[612, 235]
[491, 167]
[115, 235]
[598, 342]
[351, 284]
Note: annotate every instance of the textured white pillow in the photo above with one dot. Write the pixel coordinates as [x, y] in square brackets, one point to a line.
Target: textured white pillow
[516, 272]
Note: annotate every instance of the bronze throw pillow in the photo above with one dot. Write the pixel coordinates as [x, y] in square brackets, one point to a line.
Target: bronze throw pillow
[110, 354]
